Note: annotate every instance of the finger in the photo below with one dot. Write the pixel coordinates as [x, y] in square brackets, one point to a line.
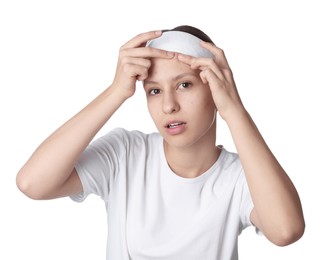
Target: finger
[194, 62]
[136, 71]
[209, 76]
[141, 39]
[201, 64]
[187, 59]
[218, 53]
[137, 61]
[203, 77]
[147, 52]
[142, 73]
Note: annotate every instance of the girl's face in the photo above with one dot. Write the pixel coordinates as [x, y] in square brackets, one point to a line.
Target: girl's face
[180, 104]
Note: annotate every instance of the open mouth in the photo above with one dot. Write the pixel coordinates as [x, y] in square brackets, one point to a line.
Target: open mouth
[174, 125]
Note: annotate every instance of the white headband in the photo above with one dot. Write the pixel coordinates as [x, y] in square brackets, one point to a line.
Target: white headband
[181, 42]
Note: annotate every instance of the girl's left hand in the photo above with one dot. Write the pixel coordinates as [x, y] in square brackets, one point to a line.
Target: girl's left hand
[217, 74]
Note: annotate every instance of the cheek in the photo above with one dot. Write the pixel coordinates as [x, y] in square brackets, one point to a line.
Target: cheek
[202, 101]
[152, 109]
[210, 105]
[208, 100]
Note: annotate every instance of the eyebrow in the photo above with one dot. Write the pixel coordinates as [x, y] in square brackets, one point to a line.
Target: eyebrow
[193, 74]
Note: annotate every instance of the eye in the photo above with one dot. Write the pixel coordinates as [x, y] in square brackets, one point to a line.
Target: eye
[154, 92]
[184, 85]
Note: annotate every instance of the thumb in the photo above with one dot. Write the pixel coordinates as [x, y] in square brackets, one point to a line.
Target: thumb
[202, 75]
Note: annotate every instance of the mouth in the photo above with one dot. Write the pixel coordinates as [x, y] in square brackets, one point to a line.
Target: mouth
[174, 125]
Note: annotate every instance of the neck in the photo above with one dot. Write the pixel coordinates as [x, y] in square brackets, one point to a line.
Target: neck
[193, 160]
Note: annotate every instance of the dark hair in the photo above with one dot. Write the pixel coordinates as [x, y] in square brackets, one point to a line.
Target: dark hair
[192, 30]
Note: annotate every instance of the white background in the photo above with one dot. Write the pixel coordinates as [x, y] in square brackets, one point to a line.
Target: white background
[56, 56]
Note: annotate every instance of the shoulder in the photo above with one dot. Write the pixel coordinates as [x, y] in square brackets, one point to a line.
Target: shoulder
[230, 166]
[123, 137]
[131, 134]
[230, 159]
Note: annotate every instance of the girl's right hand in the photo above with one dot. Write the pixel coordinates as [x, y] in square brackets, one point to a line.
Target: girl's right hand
[134, 63]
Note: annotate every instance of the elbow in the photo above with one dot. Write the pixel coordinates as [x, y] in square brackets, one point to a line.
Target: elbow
[26, 187]
[289, 235]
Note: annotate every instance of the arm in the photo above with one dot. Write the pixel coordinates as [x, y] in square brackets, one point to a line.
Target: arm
[277, 208]
[49, 172]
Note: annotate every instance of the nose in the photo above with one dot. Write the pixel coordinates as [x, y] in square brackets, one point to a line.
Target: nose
[170, 102]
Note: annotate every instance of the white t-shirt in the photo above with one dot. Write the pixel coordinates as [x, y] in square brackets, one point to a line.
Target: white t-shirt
[152, 213]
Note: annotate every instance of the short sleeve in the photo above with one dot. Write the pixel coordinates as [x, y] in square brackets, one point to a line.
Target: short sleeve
[98, 165]
[246, 206]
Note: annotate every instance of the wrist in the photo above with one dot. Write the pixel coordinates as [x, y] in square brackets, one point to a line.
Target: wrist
[233, 114]
[118, 96]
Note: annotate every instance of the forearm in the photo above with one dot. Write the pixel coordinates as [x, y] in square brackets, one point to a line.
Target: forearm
[53, 161]
[277, 206]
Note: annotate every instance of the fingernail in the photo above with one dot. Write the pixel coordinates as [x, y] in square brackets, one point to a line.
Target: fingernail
[158, 32]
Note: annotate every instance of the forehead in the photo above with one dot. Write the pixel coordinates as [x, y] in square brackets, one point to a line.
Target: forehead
[166, 68]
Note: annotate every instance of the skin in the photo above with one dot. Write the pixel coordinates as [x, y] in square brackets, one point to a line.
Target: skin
[190, 90]
[179, 95]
